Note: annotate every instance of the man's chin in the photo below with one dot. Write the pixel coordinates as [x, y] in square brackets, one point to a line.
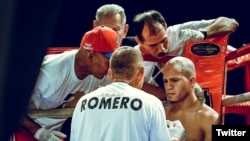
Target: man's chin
[99, 76]
[171, 99]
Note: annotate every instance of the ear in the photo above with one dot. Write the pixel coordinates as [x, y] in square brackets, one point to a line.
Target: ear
[138, 78]
[138, 40]
[140, 73]
[95, 23]
[193, 80]
[141, 46]
[126, 27]
[91, 55]
[110, 74]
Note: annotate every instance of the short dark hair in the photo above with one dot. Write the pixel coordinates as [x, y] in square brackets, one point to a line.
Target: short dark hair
[125, 61]
[150, 18]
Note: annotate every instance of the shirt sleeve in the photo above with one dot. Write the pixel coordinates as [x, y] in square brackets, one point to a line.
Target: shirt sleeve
[42, 91]
[192, 25]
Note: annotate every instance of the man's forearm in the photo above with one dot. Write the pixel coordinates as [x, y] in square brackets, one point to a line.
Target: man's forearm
[28, 124]
[222, 25]
[154, 90]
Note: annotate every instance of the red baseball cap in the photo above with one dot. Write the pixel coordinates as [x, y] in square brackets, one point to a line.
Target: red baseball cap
[101, 39]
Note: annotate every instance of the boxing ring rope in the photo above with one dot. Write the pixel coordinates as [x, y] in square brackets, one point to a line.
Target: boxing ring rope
[239, 103]
[52, 113]
[240, 58]
[235, 59]
[239, 98]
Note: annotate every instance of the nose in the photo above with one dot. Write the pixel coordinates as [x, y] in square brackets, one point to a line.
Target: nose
[162, 50]
[168, 85]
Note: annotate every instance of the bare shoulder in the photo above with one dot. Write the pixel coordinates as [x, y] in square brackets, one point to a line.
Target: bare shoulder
[209, 115]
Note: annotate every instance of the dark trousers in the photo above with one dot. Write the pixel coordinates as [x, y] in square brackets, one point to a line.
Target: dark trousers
[66, 128]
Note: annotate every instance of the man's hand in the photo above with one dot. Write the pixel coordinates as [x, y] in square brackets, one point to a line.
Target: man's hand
[190, 34]
[76, 97]
[176, 130]
[43, 134]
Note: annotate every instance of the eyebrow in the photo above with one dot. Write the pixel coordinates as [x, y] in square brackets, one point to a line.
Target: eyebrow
[158, 42]
[174, 77]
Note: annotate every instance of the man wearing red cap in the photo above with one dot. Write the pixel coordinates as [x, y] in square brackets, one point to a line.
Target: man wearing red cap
[70, 74]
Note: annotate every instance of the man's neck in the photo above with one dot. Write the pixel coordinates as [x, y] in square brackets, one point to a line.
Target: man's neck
[187, 104]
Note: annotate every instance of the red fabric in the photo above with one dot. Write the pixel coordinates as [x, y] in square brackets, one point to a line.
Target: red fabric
[100, 39]
[211, 71]
[148, 57]
[23, 135]
[209, 59]
[238, 58]
[56, 50]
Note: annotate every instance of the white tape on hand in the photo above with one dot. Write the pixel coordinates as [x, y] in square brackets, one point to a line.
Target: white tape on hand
[176, 130]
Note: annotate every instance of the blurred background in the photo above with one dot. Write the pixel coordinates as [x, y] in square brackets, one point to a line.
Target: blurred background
[76, 18]
[29, 27]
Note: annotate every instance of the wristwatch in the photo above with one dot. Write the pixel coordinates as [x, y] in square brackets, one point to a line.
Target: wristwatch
[204, 32]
